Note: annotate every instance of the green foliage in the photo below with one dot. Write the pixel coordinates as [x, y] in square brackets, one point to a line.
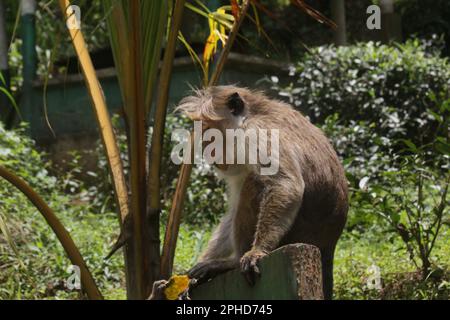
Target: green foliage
[373, 101]
[191, 242]
[377, 266]
[52, 43]
[413, 199]
[424, 18]
[20, 156]
[389, 88]
[38, 268]
[386, 109]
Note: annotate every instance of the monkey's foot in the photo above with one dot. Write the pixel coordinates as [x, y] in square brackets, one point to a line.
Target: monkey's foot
[249, 265]
[206, 270]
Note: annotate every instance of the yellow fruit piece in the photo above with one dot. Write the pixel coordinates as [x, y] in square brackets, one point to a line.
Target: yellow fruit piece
[177, 285]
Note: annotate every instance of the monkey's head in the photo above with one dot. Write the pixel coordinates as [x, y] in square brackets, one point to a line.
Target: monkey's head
[221, 107]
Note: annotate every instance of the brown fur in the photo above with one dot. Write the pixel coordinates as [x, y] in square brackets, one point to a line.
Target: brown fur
[306, 201]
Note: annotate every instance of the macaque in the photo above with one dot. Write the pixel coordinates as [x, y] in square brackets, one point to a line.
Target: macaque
[304, 201]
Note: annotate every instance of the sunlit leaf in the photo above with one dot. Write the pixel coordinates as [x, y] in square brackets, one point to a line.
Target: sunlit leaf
[410, 145]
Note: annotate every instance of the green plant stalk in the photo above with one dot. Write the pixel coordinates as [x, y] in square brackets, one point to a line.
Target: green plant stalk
[106, 132]
[136, 32]
[61, 233]
[140, 240]
[152, 44]
[154, 183]
[439, 215]
[102, 116]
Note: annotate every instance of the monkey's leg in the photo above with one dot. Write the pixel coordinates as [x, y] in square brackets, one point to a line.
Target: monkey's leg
[279, 206]
[327, 272]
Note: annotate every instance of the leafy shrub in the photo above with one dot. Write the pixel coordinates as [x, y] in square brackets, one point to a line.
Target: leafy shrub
[414, 201]
[19, 154]
[394, 89]
[34, 264]
[424, 18]
[372, 101]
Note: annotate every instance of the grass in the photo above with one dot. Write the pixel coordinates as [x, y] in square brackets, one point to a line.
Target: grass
[358, 257]
[42, 267]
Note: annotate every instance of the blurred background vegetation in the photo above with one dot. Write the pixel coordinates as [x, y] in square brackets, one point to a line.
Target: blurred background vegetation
[384, 106]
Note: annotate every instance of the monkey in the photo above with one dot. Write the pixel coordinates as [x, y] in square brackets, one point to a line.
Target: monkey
[305, 201]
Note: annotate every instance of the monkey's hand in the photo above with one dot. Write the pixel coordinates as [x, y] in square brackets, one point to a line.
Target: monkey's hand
[249, 265]
[208, 269]
[158, 290]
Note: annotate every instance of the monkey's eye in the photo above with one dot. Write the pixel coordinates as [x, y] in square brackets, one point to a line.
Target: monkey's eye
[236, 104]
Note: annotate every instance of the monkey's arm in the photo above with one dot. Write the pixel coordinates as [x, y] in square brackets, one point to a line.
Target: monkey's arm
[279, 207]
[218, 257]
[280, 203]
[220, 245]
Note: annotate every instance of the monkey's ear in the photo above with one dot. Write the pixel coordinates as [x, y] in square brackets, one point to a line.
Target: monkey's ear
[235, 104]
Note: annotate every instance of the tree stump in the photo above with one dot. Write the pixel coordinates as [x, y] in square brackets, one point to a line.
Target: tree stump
[292, 272]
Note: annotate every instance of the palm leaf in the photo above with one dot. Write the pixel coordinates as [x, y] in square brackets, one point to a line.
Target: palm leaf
[136, 30]
[153, 20]
[313, 13]
[161, 111]
[102, 115]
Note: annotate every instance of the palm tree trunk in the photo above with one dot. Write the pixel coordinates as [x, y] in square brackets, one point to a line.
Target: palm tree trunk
[138, 143]
[156, 150]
